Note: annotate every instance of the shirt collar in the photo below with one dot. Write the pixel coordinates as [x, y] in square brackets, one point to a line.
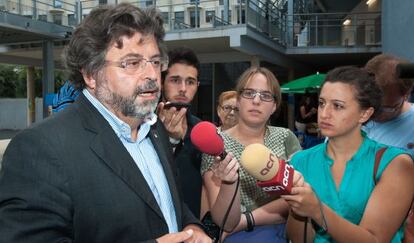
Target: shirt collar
[121, 128]
[357, 156]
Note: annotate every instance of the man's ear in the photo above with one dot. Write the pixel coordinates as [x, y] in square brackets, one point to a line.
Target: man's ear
[90, 81]
[366, 114]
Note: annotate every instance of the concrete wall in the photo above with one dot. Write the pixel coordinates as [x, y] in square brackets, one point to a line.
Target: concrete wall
[13, 113]
[397, 34]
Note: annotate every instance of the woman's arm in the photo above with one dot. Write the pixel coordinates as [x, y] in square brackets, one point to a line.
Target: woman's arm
[385, 212]
[295, 228]
[274, 212]
[220, 183]
[305, 114]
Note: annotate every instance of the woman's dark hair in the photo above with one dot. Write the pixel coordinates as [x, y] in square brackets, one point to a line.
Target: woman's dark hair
[103, 27]
[367, 91]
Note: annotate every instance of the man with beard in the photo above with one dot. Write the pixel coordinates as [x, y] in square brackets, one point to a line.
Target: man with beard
[179, 85]
[101, 170]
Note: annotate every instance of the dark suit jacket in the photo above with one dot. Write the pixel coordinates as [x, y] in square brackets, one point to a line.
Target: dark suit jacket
[70, 179]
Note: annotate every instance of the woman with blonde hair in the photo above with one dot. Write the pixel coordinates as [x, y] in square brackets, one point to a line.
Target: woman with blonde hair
[254, 216]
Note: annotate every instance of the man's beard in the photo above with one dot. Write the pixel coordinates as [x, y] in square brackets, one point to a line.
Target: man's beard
[127, 106]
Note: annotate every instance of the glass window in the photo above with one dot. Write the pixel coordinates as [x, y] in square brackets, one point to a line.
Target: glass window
[193, 19]
[57, 4]
[103, 2]
[243, 17]
[42, 17]
[72, 20]
[57, 18]
[209, 16]
[164, 16]
[148, 3]
[179, 16]
[222, 15]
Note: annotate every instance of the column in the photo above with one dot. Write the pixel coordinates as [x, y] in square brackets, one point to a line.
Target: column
[31, 103]
[291, 103]
[255, 61]
[48, 82]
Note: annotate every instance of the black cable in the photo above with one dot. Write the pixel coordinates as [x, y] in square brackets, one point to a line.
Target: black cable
[305, 230]
[226, 215]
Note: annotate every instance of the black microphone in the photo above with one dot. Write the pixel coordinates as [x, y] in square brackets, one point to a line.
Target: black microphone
[405, 70]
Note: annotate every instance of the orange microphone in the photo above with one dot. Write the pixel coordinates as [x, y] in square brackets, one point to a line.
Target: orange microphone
[274, 175]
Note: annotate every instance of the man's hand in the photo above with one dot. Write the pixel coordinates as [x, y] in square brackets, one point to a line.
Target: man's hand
[174, 120]
[198, 236]
[176, 237]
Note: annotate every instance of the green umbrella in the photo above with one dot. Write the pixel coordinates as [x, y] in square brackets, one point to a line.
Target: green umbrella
[310, 83]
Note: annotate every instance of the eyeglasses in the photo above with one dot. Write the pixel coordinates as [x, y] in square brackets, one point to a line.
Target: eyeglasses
[393, 109]
[229, 108]
[178, 81]
[131, 66]
[263, 95]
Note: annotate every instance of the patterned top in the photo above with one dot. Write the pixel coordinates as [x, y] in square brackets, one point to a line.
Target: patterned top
[281, 141]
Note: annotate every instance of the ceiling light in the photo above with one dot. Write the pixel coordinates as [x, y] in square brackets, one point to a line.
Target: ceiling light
[347, 22]
[369, 2]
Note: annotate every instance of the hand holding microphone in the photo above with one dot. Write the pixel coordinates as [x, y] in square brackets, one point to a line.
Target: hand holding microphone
[275, 175]
[227, 169]
[226, 204]
[205, 138]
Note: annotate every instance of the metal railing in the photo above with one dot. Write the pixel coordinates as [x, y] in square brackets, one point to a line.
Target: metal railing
[336, 29]
[267, 17]
[58, 12]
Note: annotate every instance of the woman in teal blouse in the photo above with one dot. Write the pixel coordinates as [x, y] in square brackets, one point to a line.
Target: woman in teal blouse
[340, 201]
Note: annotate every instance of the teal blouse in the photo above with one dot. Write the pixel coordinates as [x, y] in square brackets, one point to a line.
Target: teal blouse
[357, 184]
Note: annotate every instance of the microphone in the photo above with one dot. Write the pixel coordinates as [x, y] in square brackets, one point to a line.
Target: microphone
[274, 175]
[405, 70]
[205, 138]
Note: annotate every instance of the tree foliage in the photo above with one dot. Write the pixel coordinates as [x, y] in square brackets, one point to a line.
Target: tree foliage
[8, 77]
[13, 81]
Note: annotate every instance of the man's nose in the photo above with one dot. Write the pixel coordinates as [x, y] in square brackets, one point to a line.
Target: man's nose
[182, 86]
[151, 72]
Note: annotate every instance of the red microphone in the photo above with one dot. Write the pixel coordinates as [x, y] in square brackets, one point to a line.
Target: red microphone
[205, 138]
[275, 175]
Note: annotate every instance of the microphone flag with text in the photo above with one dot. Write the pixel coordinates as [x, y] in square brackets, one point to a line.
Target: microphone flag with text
[205, 138]
[274, 175]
